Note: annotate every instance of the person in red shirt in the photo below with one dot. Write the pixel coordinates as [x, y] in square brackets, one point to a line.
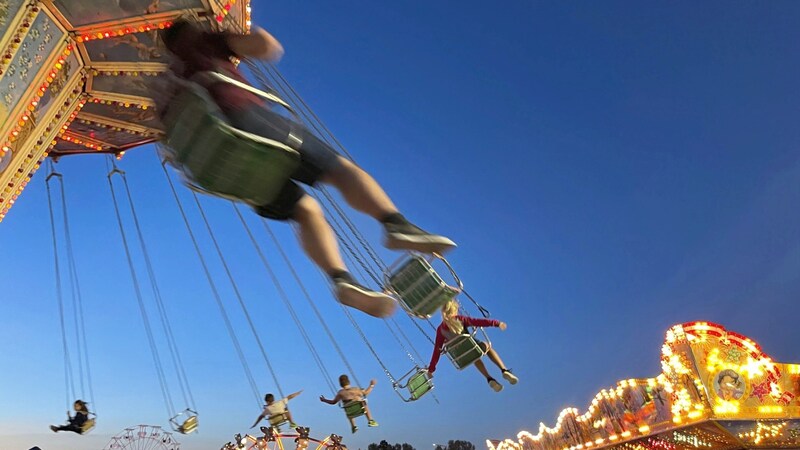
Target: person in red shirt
[453, 325]
[200, 51]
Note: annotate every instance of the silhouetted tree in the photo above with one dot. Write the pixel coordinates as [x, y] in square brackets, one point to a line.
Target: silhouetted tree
[460, 445]
[383, 445]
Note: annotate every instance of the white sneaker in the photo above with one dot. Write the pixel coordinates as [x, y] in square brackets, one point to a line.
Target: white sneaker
[374, 303]
[510, 377]
[495, 385]
[410, 237]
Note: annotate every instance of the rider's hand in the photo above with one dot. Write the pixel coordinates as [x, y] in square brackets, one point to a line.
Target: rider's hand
[502, 326]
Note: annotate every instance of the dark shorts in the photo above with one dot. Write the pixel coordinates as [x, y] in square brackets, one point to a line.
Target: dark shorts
[316, 157]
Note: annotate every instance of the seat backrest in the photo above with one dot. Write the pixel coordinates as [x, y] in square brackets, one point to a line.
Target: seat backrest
[278, 419]
[419, 384]
[463, 350]
[88, 425]
[189, 425]
[421, 289]
[219, 159]
[355, 408]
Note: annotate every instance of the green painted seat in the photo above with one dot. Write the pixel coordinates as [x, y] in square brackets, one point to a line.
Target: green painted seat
[463, 350]
[188, 426]
[420, 289]
[218, 159]
[355, 408]
[414, 384]
[185, 422]
[276, 420]
[419, 384]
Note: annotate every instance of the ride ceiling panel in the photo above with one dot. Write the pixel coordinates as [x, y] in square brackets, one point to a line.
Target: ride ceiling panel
[138, 86]
[7, 10]
[107, 135]
[776, 433]
[81, 13]
[136, 47]
[63, 146]
[701, 436]
[236, 16]
[71, 66]
[704, 435]
[42, 39]
[142, 117]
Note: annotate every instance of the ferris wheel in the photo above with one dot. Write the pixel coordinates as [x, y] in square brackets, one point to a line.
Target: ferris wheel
[143, 437]
[274, 439]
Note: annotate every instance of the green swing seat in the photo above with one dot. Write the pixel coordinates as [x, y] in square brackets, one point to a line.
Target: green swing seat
[276, 420]
[420, 384]
[186, 426]
[355, 408]
[420, 289]
[463, 350]
[415, 383]
[219, 159]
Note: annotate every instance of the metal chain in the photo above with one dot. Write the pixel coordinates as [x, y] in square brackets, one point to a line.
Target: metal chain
[177, 363]
[237, 293]
[285, 299]
[140, 300]
[80, 327]
[313, 305]
[237, 346]
[69, 386]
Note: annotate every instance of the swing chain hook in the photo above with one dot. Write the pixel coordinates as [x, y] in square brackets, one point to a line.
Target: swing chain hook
[52, 172]
[115, 169]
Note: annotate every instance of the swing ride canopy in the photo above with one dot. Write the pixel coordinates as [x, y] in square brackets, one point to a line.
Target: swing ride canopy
[78, 76]
[718, 390]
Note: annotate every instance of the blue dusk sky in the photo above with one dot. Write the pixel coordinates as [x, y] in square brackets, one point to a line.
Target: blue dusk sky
[609, 169]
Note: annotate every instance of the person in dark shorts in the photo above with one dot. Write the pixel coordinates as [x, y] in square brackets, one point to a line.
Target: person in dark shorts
[200, 51]
[76, 422]
[452, 325]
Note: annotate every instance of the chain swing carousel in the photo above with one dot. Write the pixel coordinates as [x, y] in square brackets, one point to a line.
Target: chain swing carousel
[81, 77]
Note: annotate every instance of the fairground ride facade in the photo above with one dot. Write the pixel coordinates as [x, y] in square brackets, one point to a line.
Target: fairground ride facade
[718, 390]
[78, 76]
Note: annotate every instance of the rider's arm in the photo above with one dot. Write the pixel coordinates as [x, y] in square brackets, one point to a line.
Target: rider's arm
[332, 401]
[437, 350]
[260, 417]
[479, 322]
[369, 389]
[291, 396]
[258, 44]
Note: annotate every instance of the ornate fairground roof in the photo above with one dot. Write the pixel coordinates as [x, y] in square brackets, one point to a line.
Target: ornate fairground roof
[79, 76]
[717, 390]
